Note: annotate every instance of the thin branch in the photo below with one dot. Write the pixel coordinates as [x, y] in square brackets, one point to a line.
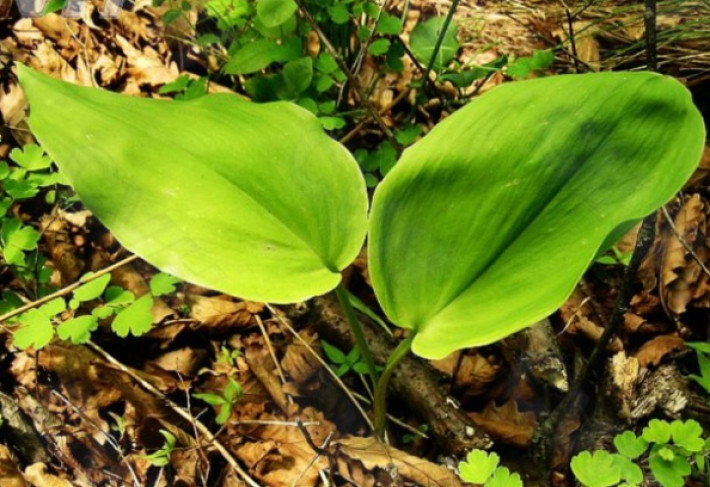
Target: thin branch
[573, 44]
[67, 289]
[279, 317]
[684, 242]
[364, 122]
[271, 351]
[348, 74]
[204, 430]
[544, 435]
[439, 41]
[649, 20]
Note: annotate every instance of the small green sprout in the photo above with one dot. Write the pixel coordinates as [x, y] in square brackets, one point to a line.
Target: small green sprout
[224, 403]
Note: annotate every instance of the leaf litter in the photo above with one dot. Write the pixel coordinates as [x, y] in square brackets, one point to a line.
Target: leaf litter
[103, 426]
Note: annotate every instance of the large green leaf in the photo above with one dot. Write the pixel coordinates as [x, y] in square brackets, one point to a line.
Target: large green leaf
[252, 200]
[486, 224]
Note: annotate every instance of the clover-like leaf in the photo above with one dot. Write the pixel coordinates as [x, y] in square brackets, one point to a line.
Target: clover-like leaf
[502, 477]
[630, 472]
[162, 283]
[31, 157]
[596, 470]
[478, 467]
[90, 290]
[253, 200]
[20, 189]
[78, 329]
[136, 319]
[630, 445]
[36, 331]
[668, 473]
[17, 238]
[688, 434]
[483, 228]
[117, 296]
[657, 431]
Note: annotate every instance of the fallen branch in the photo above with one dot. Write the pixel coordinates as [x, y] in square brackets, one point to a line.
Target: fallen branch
[66, 289]
[544, 436]
[199, 425]
[413, 383]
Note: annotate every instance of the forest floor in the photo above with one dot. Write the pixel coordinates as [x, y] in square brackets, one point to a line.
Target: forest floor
[98, 414]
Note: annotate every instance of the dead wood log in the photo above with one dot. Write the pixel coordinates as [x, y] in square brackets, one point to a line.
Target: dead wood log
[414, 383]
[23, 437]
[534, 351]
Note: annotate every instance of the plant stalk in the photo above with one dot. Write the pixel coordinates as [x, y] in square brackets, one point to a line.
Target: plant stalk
[439, 41]
[393, 361]
[358, 334]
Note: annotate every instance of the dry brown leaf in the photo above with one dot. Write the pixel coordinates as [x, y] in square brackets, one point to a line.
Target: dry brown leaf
[653, 351]
[262, 366]
[10, 475]
[394, 463]
[221, 312]
[475, 373]
[506, 423]
[37, 475]
[577, 314]
[281, 454]
[298, 362]
[57, 235]
[184, 361]
[145, 67]
[679, 273]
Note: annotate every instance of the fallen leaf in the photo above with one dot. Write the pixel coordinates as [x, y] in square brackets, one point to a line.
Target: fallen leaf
[280, 453]
[37, 475]
[10, 476]
[679, 273]
[653, 351]
[221, 312]
[394, 464]
[298, 362]
[506, 423]
[474, 372]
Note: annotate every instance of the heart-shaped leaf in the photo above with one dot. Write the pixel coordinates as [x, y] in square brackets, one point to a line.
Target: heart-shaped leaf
[252, 200]
[486, 224]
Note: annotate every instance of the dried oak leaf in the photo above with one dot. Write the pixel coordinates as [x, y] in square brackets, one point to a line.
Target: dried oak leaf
[221, 312]
[653, 351]
[679, 272]
[262, 366]
[506, 423]
[392, 464]
[298, 362]
[474, 373]
[280, 456]
[577, 314]
[185, 361]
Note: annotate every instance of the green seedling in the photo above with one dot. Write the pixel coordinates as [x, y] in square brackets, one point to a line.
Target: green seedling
[223, 403]
[482, 227]
[161, 457]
